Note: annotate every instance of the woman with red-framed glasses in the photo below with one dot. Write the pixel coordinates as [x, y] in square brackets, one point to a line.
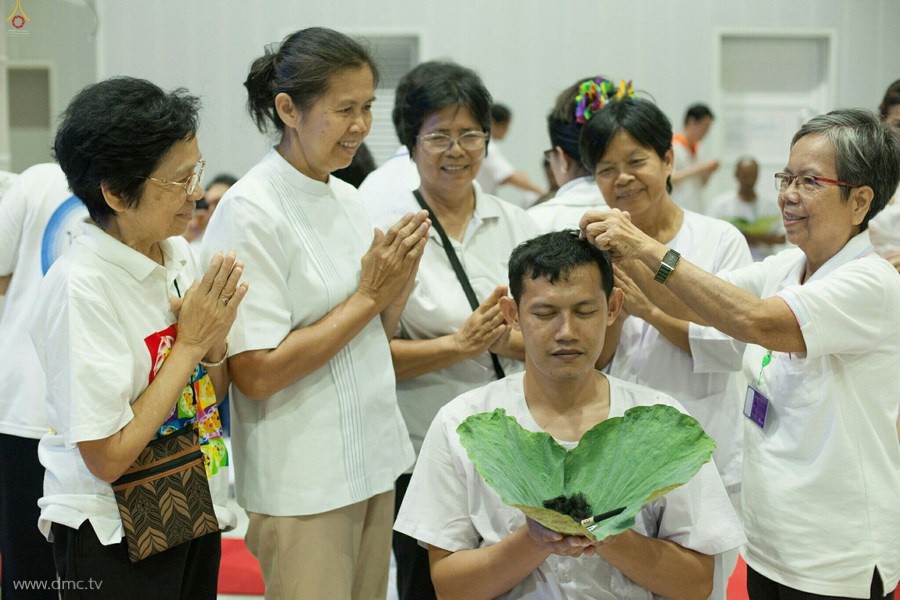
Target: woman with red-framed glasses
[821, 458]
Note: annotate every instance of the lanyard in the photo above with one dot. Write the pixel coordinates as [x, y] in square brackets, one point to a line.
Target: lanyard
[765, 363]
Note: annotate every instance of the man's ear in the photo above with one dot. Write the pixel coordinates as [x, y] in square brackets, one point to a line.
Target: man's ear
[860, 201]
[510, 311]
[614, 305]
[113, 199]
[285, 108]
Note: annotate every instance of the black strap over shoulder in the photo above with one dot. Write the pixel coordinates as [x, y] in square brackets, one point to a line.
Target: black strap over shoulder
[458, 269]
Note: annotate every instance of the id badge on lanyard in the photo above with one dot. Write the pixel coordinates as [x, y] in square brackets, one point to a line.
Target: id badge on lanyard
[756, 403]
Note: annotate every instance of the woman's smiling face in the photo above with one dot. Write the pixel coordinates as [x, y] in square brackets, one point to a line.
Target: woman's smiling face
[449, 172]
[819, 221]
[631, 176]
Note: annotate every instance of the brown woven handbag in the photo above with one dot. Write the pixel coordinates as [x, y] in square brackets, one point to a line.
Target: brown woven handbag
[164, 497]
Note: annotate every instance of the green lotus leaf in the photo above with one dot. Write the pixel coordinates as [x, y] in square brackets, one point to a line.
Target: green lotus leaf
[622, 463]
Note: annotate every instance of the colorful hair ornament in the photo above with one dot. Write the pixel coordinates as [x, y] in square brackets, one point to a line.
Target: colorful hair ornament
[626, 90]
[594, 94]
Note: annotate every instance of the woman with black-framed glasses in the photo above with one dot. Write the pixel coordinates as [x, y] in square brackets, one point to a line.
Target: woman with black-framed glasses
[450, 339]
[132, 337]
[821, 458]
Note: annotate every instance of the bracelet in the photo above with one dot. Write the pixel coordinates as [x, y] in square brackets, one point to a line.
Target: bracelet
[218, 363]
[668, 264]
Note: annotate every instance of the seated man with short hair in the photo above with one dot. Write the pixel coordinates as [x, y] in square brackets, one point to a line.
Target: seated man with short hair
[563, 300]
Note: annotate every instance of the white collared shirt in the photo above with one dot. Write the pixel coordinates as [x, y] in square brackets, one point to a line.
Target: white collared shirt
[99, 307]
[565, 209]
[821, 482]
[438, 306]
[450, 506]
[336, 436]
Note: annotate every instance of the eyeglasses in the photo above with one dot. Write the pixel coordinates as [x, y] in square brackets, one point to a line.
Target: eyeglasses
[438, 142]
[805, 183]
[190, 184]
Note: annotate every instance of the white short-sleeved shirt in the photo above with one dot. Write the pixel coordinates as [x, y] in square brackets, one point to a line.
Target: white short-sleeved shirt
[39, 218]
[438, 306]
[450, 506]
[6, 181]
[821, 481]
[495, 169]
[700, 382]
[730, 207]
[688, 194]
[565, 209]
[336, 436]
[884, 229]
[382, 186]
[102, 325]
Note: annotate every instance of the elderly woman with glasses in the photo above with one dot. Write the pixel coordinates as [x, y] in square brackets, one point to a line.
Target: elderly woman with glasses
[822, 462]
[131, 335]
[450, 339]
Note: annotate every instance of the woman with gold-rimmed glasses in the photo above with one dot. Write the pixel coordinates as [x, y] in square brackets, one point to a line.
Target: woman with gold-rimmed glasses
[449, 342]
[821, 458]
[131, 335]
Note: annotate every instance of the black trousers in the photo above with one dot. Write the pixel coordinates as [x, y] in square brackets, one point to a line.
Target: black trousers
[27, 556]
[760, 587]
[413, 572]
[90, 570]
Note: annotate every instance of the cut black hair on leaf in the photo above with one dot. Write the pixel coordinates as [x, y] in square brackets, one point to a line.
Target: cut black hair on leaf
[576, 506]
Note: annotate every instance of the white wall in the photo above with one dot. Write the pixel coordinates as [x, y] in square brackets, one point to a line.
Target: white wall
[61, 36]
[525, 50]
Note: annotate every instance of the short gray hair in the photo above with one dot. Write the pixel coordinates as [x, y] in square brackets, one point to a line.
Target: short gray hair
[866, 153]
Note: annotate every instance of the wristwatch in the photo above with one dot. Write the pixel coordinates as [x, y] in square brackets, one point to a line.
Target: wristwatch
[668, 264]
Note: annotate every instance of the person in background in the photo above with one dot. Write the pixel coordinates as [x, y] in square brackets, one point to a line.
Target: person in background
[6, 181]
[126, 326]
[691, 174]
[552, 186]
[884, 229]
[578, 192]
[444, 347]
[39, 219]
[206, 206]
[497, 170]
[362, 164]
[627, 145]
[315, 423]
[757, 218]
[821, 458]
[563, 301]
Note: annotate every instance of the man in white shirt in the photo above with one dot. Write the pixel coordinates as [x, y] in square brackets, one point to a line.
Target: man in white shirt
[496, 170]
[563, 300]
[758, 218]
[691, 174]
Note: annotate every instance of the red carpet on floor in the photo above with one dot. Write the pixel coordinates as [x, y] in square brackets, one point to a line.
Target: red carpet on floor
[737, 585]
[239, 572]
